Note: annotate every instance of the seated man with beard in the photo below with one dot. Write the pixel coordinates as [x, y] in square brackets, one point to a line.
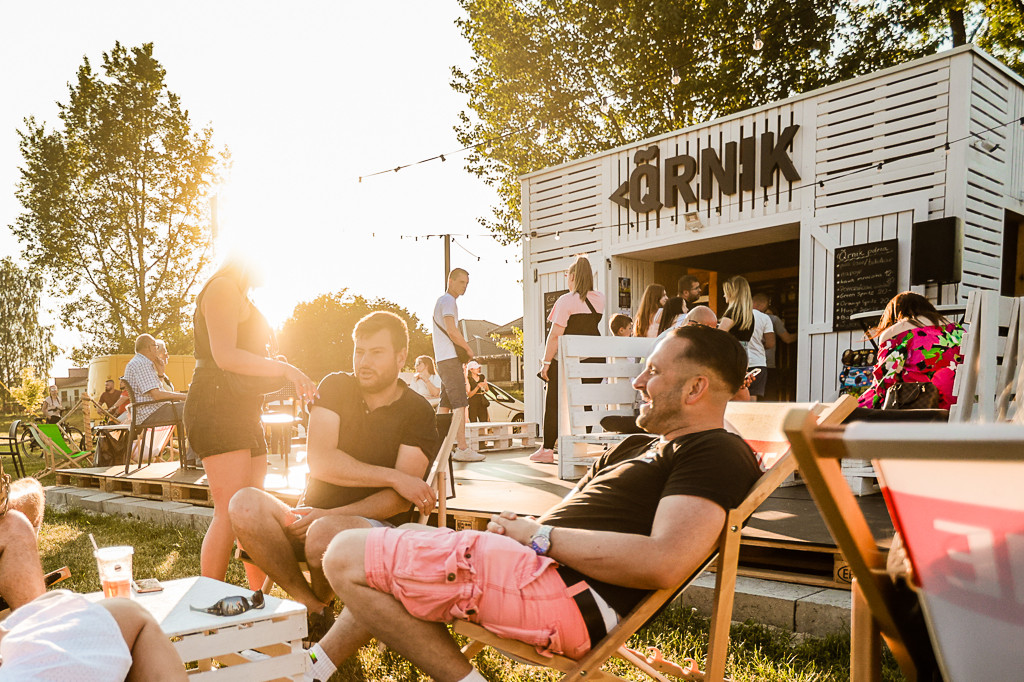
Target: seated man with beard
[370, 442]
[562, 581]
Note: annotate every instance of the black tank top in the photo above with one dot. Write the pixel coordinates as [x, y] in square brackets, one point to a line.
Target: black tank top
[584, 324]
[254, 334]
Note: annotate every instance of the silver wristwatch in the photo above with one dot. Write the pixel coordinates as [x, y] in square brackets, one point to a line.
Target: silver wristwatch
[540, 542]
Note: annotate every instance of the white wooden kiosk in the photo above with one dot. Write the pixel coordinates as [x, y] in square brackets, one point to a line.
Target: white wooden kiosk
[774, 193]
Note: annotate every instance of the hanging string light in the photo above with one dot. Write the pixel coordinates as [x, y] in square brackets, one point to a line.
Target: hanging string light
[605, 105]
[758, 43]
[543, 129]
[676, 79]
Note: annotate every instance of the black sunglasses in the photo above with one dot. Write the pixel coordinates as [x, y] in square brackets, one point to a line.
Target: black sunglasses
[233, 606]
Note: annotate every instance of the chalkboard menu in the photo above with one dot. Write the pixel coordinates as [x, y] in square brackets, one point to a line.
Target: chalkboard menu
[549, 302]
[865, 279]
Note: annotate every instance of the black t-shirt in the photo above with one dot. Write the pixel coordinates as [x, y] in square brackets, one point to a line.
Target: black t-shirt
[371, 437]
[621, 492]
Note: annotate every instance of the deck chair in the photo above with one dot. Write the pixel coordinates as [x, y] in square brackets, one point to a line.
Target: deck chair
[953, 491]
[991, 347]
[142, 434]
[614, 644]
[56, 451]
[10, 446]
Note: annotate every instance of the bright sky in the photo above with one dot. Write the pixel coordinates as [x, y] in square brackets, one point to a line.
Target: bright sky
[308, 96]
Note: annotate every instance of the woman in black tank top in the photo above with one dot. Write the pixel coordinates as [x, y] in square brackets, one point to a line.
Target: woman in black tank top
[225, 399]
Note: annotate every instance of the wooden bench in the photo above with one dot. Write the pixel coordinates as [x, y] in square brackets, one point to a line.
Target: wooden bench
[582, 404]
[492, 436]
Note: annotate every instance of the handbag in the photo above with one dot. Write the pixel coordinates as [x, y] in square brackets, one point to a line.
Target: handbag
[460, 352]
[915, 395]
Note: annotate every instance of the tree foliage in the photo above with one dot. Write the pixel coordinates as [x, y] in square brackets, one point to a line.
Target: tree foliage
[317, 338]
[553, 62]
[30, 392]
[115, 204]
[513, 344]
[24, 342]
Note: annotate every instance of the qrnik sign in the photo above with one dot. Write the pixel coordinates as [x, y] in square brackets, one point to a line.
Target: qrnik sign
[646, 190]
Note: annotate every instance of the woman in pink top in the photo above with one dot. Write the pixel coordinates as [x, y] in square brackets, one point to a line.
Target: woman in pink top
[577, 313]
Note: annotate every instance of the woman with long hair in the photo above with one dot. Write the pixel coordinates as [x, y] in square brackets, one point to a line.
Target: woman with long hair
[649, 313]
[222, 412]
[574, 313]
[751, 327]
[915, 344]
[426, 381]
[671, 314]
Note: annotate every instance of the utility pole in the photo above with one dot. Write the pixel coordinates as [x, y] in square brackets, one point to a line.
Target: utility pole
[447, 257]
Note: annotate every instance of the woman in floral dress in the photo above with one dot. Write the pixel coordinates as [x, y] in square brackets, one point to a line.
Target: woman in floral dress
[915, 344]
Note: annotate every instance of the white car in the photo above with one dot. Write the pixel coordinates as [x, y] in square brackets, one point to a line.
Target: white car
[503, 406]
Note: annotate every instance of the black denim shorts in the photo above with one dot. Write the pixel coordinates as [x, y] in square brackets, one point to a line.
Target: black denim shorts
[219, 420]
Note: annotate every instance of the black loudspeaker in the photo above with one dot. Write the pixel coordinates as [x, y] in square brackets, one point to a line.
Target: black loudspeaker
[935, 250]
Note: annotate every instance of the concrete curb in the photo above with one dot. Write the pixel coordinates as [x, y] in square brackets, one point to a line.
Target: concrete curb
[154, 511]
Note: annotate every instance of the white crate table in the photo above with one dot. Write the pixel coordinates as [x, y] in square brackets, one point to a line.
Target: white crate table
[276, 631]
[492, 436]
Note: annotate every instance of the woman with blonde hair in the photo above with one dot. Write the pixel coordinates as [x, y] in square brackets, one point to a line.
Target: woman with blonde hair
[426, 381]
[751, 327]
[575, 313]
[649, 314]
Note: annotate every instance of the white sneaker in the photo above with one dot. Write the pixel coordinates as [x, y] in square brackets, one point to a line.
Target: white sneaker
[468, 455]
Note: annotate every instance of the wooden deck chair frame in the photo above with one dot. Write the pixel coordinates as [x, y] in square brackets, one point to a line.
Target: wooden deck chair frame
[437, 476]
[138, 431]
[614, 644]
[875, 615]
[56, 457]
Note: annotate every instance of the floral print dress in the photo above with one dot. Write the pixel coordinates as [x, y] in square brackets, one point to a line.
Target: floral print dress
[920, 354]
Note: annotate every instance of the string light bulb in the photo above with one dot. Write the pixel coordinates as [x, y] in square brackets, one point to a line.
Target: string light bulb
[543, 130]
[947, 147]
[443, 159]
[758, 43]
[676, 78]
[605, 105]
[1022, 121]
[558, 235]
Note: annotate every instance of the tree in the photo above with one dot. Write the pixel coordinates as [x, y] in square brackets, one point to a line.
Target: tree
[31, 392]
[24, 342]
[116, 204]
[317, 338]
[513, 344]
[597, 74]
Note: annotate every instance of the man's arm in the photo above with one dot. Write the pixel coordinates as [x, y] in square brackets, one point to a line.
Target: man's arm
[684, 531]
[331, 465]
[455, 335]
[160, 394]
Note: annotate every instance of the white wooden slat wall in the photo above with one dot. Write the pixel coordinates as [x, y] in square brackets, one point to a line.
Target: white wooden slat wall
[821, 350]
[987, 179]
[900, 113]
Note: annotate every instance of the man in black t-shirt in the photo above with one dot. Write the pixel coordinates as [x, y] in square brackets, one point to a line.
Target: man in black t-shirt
[643, 518]
[370, 442]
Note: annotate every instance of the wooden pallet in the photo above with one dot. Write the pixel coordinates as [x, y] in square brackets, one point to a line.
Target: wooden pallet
[495, 436]
[861, 476]
[79, 478]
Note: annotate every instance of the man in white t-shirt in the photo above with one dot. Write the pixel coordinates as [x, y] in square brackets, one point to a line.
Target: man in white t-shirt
[447, 336]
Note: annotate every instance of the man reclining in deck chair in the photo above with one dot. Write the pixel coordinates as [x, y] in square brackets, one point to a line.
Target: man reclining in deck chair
[370, 442]
[643, 518]
[60, 634]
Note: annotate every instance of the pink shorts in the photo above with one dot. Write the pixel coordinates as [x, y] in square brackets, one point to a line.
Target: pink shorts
[484, 578]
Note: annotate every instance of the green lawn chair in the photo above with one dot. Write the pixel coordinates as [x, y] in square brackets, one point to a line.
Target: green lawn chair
[58, 454]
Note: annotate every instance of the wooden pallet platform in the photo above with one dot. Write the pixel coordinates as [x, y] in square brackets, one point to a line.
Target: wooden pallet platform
[785, 538]
[494, 436]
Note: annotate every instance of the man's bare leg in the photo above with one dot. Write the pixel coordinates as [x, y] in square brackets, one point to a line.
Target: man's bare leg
[153, 655]
[21, 573]
[369, 612]
[318, 537]
[259, 521]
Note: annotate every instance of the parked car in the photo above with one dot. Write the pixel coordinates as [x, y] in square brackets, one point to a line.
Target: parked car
[503, 408]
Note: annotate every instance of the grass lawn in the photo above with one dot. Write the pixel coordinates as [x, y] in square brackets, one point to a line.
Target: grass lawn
[165, 553]
[757, 653]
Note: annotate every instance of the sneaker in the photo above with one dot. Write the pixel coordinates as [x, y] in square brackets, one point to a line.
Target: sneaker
[317, 625]
[543, 456]
[468, 455]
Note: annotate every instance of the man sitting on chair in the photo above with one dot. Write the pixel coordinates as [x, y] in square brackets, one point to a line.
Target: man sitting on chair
[142, 375]
[560, 582]
[370, 442]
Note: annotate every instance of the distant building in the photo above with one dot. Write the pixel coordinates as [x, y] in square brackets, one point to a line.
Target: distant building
[499, 365]
[515, 362]
[71, 387]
